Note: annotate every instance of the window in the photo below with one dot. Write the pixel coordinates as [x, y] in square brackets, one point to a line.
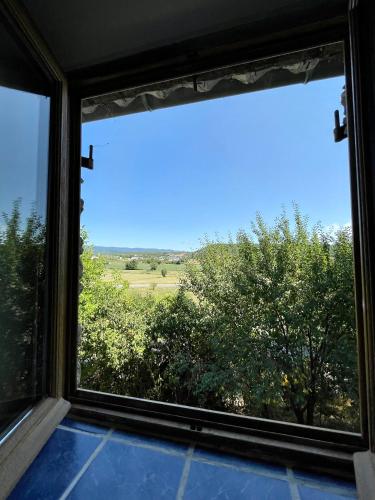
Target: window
[183, 299]
[24, 149]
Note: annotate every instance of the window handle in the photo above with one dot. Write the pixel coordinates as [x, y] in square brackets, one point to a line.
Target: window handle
[340, 131]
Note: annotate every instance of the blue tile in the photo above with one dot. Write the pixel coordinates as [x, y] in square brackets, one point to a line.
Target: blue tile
[150, 441]
[224, 458]
[124, 471]
[83, 426]
[317, 494]
[324, 480]
[56, 465]
[209, 482]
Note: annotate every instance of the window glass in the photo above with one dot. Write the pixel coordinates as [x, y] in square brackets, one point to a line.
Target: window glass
[24, 143]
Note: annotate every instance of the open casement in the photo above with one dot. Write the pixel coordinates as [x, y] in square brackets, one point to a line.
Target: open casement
[31, 394]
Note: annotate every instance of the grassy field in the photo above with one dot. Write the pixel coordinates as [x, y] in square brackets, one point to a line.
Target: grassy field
[143, 279]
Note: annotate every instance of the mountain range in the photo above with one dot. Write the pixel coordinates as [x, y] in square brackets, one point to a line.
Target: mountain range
[108, 250]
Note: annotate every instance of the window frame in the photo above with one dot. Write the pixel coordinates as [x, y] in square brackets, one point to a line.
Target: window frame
[186, 60]
[27, 434]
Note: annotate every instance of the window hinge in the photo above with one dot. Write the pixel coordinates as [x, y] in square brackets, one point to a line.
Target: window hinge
[88, 162]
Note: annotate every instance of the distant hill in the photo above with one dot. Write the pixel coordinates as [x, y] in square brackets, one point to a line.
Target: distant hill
[107, 250]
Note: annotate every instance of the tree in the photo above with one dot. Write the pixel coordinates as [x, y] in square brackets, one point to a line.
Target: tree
[113, 323]
[22, 273]
[283, 308]
[131, 265]
[176, 352]
[263, 326]
[164, 272]
[153, 264]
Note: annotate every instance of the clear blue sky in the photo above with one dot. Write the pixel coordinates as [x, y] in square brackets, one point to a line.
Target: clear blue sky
[24, 133]
[168, 178]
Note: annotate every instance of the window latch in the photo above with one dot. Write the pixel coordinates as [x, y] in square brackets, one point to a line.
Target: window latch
[88, 162]
[340, 131]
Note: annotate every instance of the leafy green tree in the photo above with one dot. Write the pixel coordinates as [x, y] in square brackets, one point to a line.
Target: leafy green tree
[22, 271]
[131, 265]
[153, 264]
[176, 352]
[283, 308]
[263, 325]
[164, 272]
[113, 323]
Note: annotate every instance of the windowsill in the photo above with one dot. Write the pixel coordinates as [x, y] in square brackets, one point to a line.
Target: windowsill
[84, 460]
[307, 453]
[22, 446]
[364, 465]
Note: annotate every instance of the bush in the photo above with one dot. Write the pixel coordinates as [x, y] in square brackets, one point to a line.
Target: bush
[164, 272]
[153, 265]
[131, 265]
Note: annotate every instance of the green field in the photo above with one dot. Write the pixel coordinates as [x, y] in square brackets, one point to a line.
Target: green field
[143, 279]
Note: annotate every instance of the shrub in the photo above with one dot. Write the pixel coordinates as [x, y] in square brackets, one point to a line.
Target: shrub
[153, 265]
[131, 265]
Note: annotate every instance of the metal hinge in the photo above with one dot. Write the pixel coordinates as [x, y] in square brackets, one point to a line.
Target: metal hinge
[88, 162]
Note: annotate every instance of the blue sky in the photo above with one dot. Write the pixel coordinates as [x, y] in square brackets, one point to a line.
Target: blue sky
[23, 151]
[169, 177]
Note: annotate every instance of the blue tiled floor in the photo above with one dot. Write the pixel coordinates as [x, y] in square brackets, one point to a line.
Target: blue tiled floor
[84, 461]
[208, 481]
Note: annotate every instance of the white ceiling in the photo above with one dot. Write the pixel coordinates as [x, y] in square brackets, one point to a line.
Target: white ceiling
[82, 33]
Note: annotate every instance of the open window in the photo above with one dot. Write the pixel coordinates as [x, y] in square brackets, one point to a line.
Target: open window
[32, 243]
[187, 308]
[181, 320]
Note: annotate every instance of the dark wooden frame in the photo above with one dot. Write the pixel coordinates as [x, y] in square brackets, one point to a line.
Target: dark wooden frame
[362, 49]
[21, 446]
[361, 20]
[189, 58]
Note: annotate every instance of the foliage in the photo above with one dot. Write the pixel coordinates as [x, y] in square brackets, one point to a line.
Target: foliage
[164, 272]
[153, 264]
[131, 265]
[113, 325]
[283, 307]
[22, 247]
[262, 326]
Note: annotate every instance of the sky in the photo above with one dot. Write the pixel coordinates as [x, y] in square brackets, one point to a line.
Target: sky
[169, 178]
[24, 137]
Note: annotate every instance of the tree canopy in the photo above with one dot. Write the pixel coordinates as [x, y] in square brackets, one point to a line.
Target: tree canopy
[263, 326]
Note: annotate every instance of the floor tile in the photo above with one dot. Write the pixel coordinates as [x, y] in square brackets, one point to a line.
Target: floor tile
[324, 480]
[211, 482]
[307, 493]
[150, 441]
[124, 471]
[56, 465]
[236, 461]
[83, 426]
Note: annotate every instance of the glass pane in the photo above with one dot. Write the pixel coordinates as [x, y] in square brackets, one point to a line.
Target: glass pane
[218, 268]
[24, 138]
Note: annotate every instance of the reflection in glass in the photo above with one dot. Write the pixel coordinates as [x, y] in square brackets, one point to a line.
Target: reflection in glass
[24, 137]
